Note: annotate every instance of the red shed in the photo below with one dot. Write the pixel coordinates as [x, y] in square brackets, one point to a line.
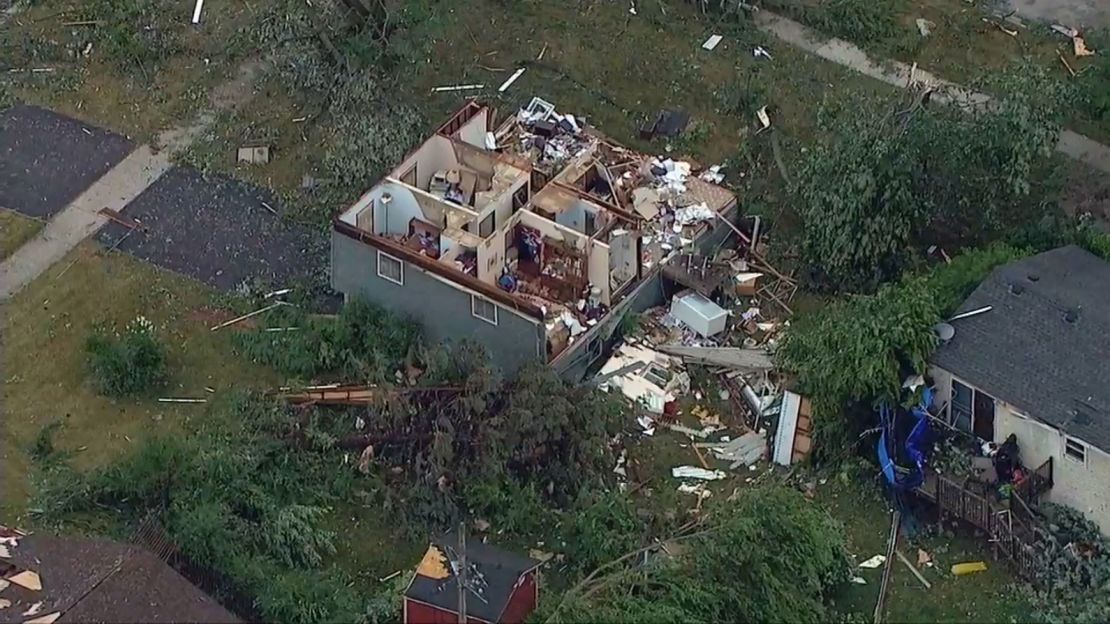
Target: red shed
[501, 586]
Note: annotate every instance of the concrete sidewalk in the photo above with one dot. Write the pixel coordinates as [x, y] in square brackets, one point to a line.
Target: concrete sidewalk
[81, 218]
[1073, 144]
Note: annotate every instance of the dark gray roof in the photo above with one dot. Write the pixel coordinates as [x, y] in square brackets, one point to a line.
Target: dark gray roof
[499, 569]
[1026, 353]
[97, 580]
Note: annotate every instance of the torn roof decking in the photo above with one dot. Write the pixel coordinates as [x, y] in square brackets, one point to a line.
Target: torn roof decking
[493, 571]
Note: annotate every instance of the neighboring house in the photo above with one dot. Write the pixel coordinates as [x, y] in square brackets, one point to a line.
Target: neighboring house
[1037, 365]
[44, 579]
[534, 248]
[500, 586]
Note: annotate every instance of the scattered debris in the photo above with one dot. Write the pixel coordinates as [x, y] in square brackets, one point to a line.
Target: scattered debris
[244, 317]
[999, 26]
[1079, 46]
[713, 174]
[389, 577]
[181, 400]
[513, 78]
[915, 571]
[764, 118]
[971, 567]
[49, 618]
[873, 562]
[924, 558]
[645, 376]
[693, 472]
[924, 26]
[196, 11]
[712, 42]
[732, 357]
[700, 490]
[1066, 31]
[1067, 65]
[858, 580]
[465, 87]
[761, 51]
[254, 154]
[481, 525]
[365, 458]
[541, 555]
[743, 451]
[36, 607]
[699, 313]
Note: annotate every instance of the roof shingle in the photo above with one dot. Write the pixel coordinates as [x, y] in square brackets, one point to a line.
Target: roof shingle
[1027, 352]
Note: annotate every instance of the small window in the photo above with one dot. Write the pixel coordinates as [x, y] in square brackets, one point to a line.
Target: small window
[483, 309]
[390, 268]
[1074, 449]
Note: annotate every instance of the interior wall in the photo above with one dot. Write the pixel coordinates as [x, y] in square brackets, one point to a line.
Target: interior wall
[433, 155]
[553, 230]
[624, 259]
[474, 130]
[491, 258]
[574, 216]
[598, 270]
[404, 206]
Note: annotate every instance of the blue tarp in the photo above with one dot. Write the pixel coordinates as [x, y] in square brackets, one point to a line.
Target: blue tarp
[914, 444]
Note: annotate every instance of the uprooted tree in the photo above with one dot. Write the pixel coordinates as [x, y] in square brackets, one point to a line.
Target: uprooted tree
[248, 492]
[896, 178]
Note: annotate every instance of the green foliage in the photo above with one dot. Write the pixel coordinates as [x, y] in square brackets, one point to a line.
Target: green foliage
[128, 363]
[132, 33]
[240, 498]
[42, 449]
[903, 176]
[1094, 82]
[858, 21]
[365, 342]
[1071, 568]
[771, 557]
[602, 526]
[742, 98]
[859, 349]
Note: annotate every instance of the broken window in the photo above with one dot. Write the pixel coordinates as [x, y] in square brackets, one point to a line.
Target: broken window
[1074, 449]
[391, 269]
[483, 309]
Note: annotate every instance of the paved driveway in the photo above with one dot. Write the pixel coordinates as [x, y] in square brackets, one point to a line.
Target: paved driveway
[47, 160]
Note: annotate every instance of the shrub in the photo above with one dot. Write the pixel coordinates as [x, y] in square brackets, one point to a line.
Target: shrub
[601, 527]
[127, 363]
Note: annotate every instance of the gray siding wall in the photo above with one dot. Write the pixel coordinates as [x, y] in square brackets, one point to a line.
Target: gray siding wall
[442, 309]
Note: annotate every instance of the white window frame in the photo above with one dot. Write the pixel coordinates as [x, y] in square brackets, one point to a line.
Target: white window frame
[400, 265]
[474, 299]
[1070, 442]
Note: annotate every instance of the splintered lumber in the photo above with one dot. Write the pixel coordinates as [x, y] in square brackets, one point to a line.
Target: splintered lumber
[352, 395]
[732, 357]
[240, 319]
[915, 571]
[888, 569]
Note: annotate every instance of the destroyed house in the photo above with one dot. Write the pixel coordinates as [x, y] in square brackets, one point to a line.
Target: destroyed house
[531, 237]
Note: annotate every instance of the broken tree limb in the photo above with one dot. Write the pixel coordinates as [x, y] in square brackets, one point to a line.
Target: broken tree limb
[732, 357]
[240, 319]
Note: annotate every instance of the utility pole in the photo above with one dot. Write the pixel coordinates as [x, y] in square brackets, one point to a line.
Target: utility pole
[460, 576]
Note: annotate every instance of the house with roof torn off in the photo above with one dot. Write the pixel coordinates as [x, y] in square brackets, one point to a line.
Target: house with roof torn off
[1035, 364]
[532, 236]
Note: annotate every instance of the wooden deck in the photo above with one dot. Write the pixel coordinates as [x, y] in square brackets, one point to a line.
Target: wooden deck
[1008, 524]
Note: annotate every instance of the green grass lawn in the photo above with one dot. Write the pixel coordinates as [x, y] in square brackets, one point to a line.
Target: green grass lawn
[45, 379]
[991, 596]
[15, 229]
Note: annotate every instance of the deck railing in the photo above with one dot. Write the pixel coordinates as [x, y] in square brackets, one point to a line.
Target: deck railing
[1008, 526]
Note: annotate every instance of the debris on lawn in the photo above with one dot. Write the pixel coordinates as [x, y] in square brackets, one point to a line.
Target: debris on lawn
[645, 376]
[914, 570]
[465, 87]
[196, 11]
[699, 490]
[712, 42]
[764, 118]
[1079, 47]
[924, 558]
[971, 567]
[240, 319]
[873, 562]
[924, 26]
[253, 154]
[761, 51]
[693, 472]
[743, 451]
[509, 82]
[181, 400]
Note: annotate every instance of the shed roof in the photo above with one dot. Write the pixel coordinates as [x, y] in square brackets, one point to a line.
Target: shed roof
[492, 576]
[97, 580]
[1044, 345]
